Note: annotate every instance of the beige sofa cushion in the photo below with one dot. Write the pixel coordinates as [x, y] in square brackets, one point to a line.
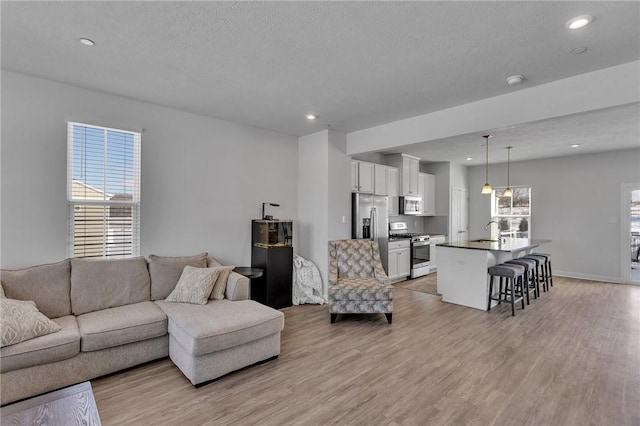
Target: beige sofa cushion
[121, 325]
[165, 272]
[220, 324]
[221, 282]
[102, 284]
[236, 287]
[47, 285]
[194, 285]
[20, 320]
[52, 347]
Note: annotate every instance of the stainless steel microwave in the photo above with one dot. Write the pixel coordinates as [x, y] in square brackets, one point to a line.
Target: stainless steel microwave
[410, 205]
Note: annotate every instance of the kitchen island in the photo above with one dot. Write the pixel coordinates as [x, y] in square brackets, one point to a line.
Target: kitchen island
[462, 267]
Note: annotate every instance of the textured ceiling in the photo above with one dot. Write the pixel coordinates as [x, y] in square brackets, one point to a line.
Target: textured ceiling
[354, 64]
[595, 131]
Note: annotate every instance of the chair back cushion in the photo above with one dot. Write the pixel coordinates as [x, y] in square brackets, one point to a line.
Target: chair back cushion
[355, 259]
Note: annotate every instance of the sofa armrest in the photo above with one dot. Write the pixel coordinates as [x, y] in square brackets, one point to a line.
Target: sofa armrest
[237, 287]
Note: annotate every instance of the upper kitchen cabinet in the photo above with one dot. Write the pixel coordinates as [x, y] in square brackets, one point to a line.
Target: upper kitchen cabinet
[386, 183]
[409, 167]
[392, 191]
[362, 177]
[428, 194]
[380, 179]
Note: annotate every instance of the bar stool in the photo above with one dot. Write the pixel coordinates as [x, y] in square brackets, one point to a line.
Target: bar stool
[512, 274]
[530, 277]
[540, 270]
[547, 265]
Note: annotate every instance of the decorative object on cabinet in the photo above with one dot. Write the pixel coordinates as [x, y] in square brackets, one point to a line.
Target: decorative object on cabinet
[357, 281]
[272, 251]
[486, 189]
[507, 192]
[268, 217]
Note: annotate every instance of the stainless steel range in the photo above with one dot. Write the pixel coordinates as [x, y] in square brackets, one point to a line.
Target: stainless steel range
[420, 247]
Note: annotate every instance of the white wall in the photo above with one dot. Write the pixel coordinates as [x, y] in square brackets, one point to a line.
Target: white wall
[459, 176]
[339, 170]
[313, 197]
[203, 180]
[575, 203]
[324, 195]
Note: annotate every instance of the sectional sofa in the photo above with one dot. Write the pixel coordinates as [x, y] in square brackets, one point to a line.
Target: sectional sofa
[113, 315]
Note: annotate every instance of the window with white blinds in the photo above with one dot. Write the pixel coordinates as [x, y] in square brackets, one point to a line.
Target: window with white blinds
[103, 191]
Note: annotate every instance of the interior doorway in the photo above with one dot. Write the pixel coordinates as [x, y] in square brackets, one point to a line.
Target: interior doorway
[459, 225]
[631, 233]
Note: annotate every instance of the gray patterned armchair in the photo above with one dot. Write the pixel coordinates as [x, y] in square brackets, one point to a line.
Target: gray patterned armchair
[357, 281]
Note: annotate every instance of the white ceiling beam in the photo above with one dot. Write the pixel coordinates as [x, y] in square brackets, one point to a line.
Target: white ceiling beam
[608, 87]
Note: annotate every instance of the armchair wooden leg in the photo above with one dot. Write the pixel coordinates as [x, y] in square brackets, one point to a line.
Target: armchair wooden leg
[388, 317]
[333, 318]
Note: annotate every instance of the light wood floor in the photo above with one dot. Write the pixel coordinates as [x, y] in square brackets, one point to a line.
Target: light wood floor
[570, 358]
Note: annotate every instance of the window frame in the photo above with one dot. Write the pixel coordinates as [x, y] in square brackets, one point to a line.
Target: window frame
[75, 205]
[496, 216]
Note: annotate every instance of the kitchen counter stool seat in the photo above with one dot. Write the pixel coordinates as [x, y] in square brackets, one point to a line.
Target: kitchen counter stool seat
[512, 291]
[530, 278]
[540, 270]
[547, 266]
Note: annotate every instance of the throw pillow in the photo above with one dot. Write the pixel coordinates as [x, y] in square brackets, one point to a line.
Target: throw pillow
[220, 285]
[20, 320]
[165, 272]
[194, 285]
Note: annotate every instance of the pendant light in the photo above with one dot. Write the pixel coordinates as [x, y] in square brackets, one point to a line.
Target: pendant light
[507, 192]
[486, 189]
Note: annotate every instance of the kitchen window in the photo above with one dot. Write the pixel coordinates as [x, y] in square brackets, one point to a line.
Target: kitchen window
[103, 191]
[513, 214]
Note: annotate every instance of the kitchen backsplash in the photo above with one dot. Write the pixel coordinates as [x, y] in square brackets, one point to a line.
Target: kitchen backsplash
[415, 224]
[427, 224]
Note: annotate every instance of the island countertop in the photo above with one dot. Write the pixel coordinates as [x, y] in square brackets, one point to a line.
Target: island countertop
[509, 246]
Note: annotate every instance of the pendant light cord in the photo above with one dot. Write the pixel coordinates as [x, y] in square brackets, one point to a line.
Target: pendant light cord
[486, 162]
[508, 161]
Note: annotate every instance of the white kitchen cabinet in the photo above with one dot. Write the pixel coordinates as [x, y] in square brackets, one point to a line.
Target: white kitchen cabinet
[404, 262]
[392, 191]
[362, 178]
[354, 176]
[433, 251]
[380, 179]
[408, 178]
[399, 263]
[421, 179]
[428, 194]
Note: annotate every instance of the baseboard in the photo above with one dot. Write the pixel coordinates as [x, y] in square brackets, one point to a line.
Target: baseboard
[589, 277]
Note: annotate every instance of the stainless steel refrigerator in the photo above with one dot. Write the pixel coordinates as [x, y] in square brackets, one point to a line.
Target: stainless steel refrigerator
[370, 219]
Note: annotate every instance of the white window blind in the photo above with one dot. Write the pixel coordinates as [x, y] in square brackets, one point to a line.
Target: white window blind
[103, 191]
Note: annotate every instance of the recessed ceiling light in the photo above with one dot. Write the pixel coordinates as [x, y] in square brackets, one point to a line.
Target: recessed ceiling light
[311, 116]
[575, 145]
[514, 79]
[469, 158]
[87, 42]
[579, 22]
